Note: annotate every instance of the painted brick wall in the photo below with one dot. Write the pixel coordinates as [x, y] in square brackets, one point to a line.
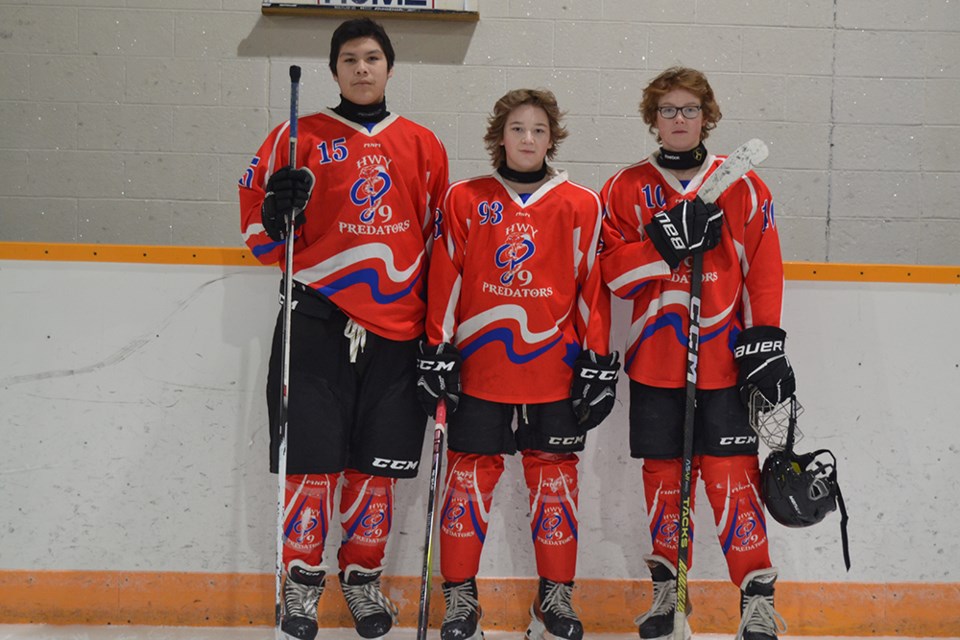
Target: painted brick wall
[129, 121]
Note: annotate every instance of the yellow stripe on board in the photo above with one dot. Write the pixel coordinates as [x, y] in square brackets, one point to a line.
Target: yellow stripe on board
[606, 606]
[141, 254]
[148, 254]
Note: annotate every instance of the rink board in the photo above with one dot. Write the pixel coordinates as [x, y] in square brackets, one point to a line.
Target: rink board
[134, 459]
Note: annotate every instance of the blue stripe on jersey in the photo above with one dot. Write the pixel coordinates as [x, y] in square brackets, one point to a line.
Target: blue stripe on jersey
[263, 249]
[504, 335]
[637, 288]
[371, 278]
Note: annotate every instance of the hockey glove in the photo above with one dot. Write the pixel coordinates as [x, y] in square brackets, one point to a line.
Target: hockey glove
[763, 365]
[594, 388]
[692, 226]
[439, 369]
[287, 189]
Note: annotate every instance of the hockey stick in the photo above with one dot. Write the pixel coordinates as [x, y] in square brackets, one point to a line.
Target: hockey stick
[742, 160]
[285, 358]
[439, 430]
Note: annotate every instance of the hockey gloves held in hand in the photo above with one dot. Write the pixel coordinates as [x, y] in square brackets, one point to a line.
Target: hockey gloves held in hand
[693, 226]
[287, 189]
[764, 365]
[594, 388]
[439, 369]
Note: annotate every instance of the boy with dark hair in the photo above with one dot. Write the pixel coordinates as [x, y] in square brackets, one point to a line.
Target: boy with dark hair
[366, 187]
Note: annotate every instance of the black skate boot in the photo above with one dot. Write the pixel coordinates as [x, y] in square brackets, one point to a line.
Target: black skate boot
[301, 592]
[462, 619]
[373, 613]
[758, 619]
[551, 613]
[657, 623]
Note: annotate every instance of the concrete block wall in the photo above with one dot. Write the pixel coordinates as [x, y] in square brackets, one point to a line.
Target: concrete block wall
[130, 121]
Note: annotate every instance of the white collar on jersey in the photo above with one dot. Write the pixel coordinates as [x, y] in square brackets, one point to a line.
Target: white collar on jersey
[374, 130]
[558, 176]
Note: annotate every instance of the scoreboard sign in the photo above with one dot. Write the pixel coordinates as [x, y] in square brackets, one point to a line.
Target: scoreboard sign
[438, 9]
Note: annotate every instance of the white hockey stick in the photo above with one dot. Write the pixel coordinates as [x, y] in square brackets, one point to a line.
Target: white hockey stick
[738, 163]
[747, 156]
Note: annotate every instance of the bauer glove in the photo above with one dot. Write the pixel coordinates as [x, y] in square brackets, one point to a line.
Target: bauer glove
[693, 226]
[763, 365]
[439, 369]
[594, 388]
[287, 189]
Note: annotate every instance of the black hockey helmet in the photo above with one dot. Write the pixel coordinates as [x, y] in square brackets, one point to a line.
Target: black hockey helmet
[799, 490]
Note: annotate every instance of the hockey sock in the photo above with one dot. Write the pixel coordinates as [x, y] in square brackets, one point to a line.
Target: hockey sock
[552, 482]
[733, 488]
[366, 513]
[308, 509]
[661, 489]
[465, 514]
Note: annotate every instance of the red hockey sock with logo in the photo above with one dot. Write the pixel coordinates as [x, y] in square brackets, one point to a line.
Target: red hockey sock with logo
[552, 481]
[465, 512]
[307, 511]
[661, 489]
[366, 513]
[733, 488]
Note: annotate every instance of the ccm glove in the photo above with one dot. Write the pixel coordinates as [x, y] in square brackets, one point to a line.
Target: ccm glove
[287, 189]
[763, 364]
[439, 369]
[594, 388]
[692, 226]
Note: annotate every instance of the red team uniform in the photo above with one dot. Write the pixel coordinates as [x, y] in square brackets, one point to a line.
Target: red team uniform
[742, 283]
[363, 245]
[527, 296]
[516, 286]
[742, 288]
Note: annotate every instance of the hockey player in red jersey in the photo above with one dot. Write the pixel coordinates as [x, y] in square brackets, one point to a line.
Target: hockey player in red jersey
[368, 185]
[650, 238]
[517, 324]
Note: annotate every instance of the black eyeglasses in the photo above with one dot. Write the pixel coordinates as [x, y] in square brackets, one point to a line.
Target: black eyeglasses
[689, 112]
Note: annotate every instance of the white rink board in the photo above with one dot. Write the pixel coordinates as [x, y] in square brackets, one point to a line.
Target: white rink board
[134, 437]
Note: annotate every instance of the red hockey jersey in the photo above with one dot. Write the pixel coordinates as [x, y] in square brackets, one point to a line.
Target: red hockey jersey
[742, 276]
[517, 287]
[370, 218]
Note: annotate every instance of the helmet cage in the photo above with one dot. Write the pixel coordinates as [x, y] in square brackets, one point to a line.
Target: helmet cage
[772, 421]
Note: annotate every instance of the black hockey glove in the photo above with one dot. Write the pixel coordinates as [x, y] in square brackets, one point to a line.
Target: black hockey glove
[693, 226]
[764, 365]
[594, 388]
[439, 369]
[287, 189]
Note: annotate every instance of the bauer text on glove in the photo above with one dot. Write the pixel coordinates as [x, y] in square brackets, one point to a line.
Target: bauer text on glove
[594, 388]
[763, 364]
[439, 376]
[692, 226]
[287, 190]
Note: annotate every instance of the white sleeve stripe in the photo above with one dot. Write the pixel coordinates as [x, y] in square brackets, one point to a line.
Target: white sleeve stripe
[271, 161]
[642, 272]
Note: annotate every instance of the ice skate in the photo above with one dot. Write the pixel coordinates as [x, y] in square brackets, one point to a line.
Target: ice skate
[551, 615]
[462, 619]
[301, 593]
[657, 623]
[373, 613]
[758, 619]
